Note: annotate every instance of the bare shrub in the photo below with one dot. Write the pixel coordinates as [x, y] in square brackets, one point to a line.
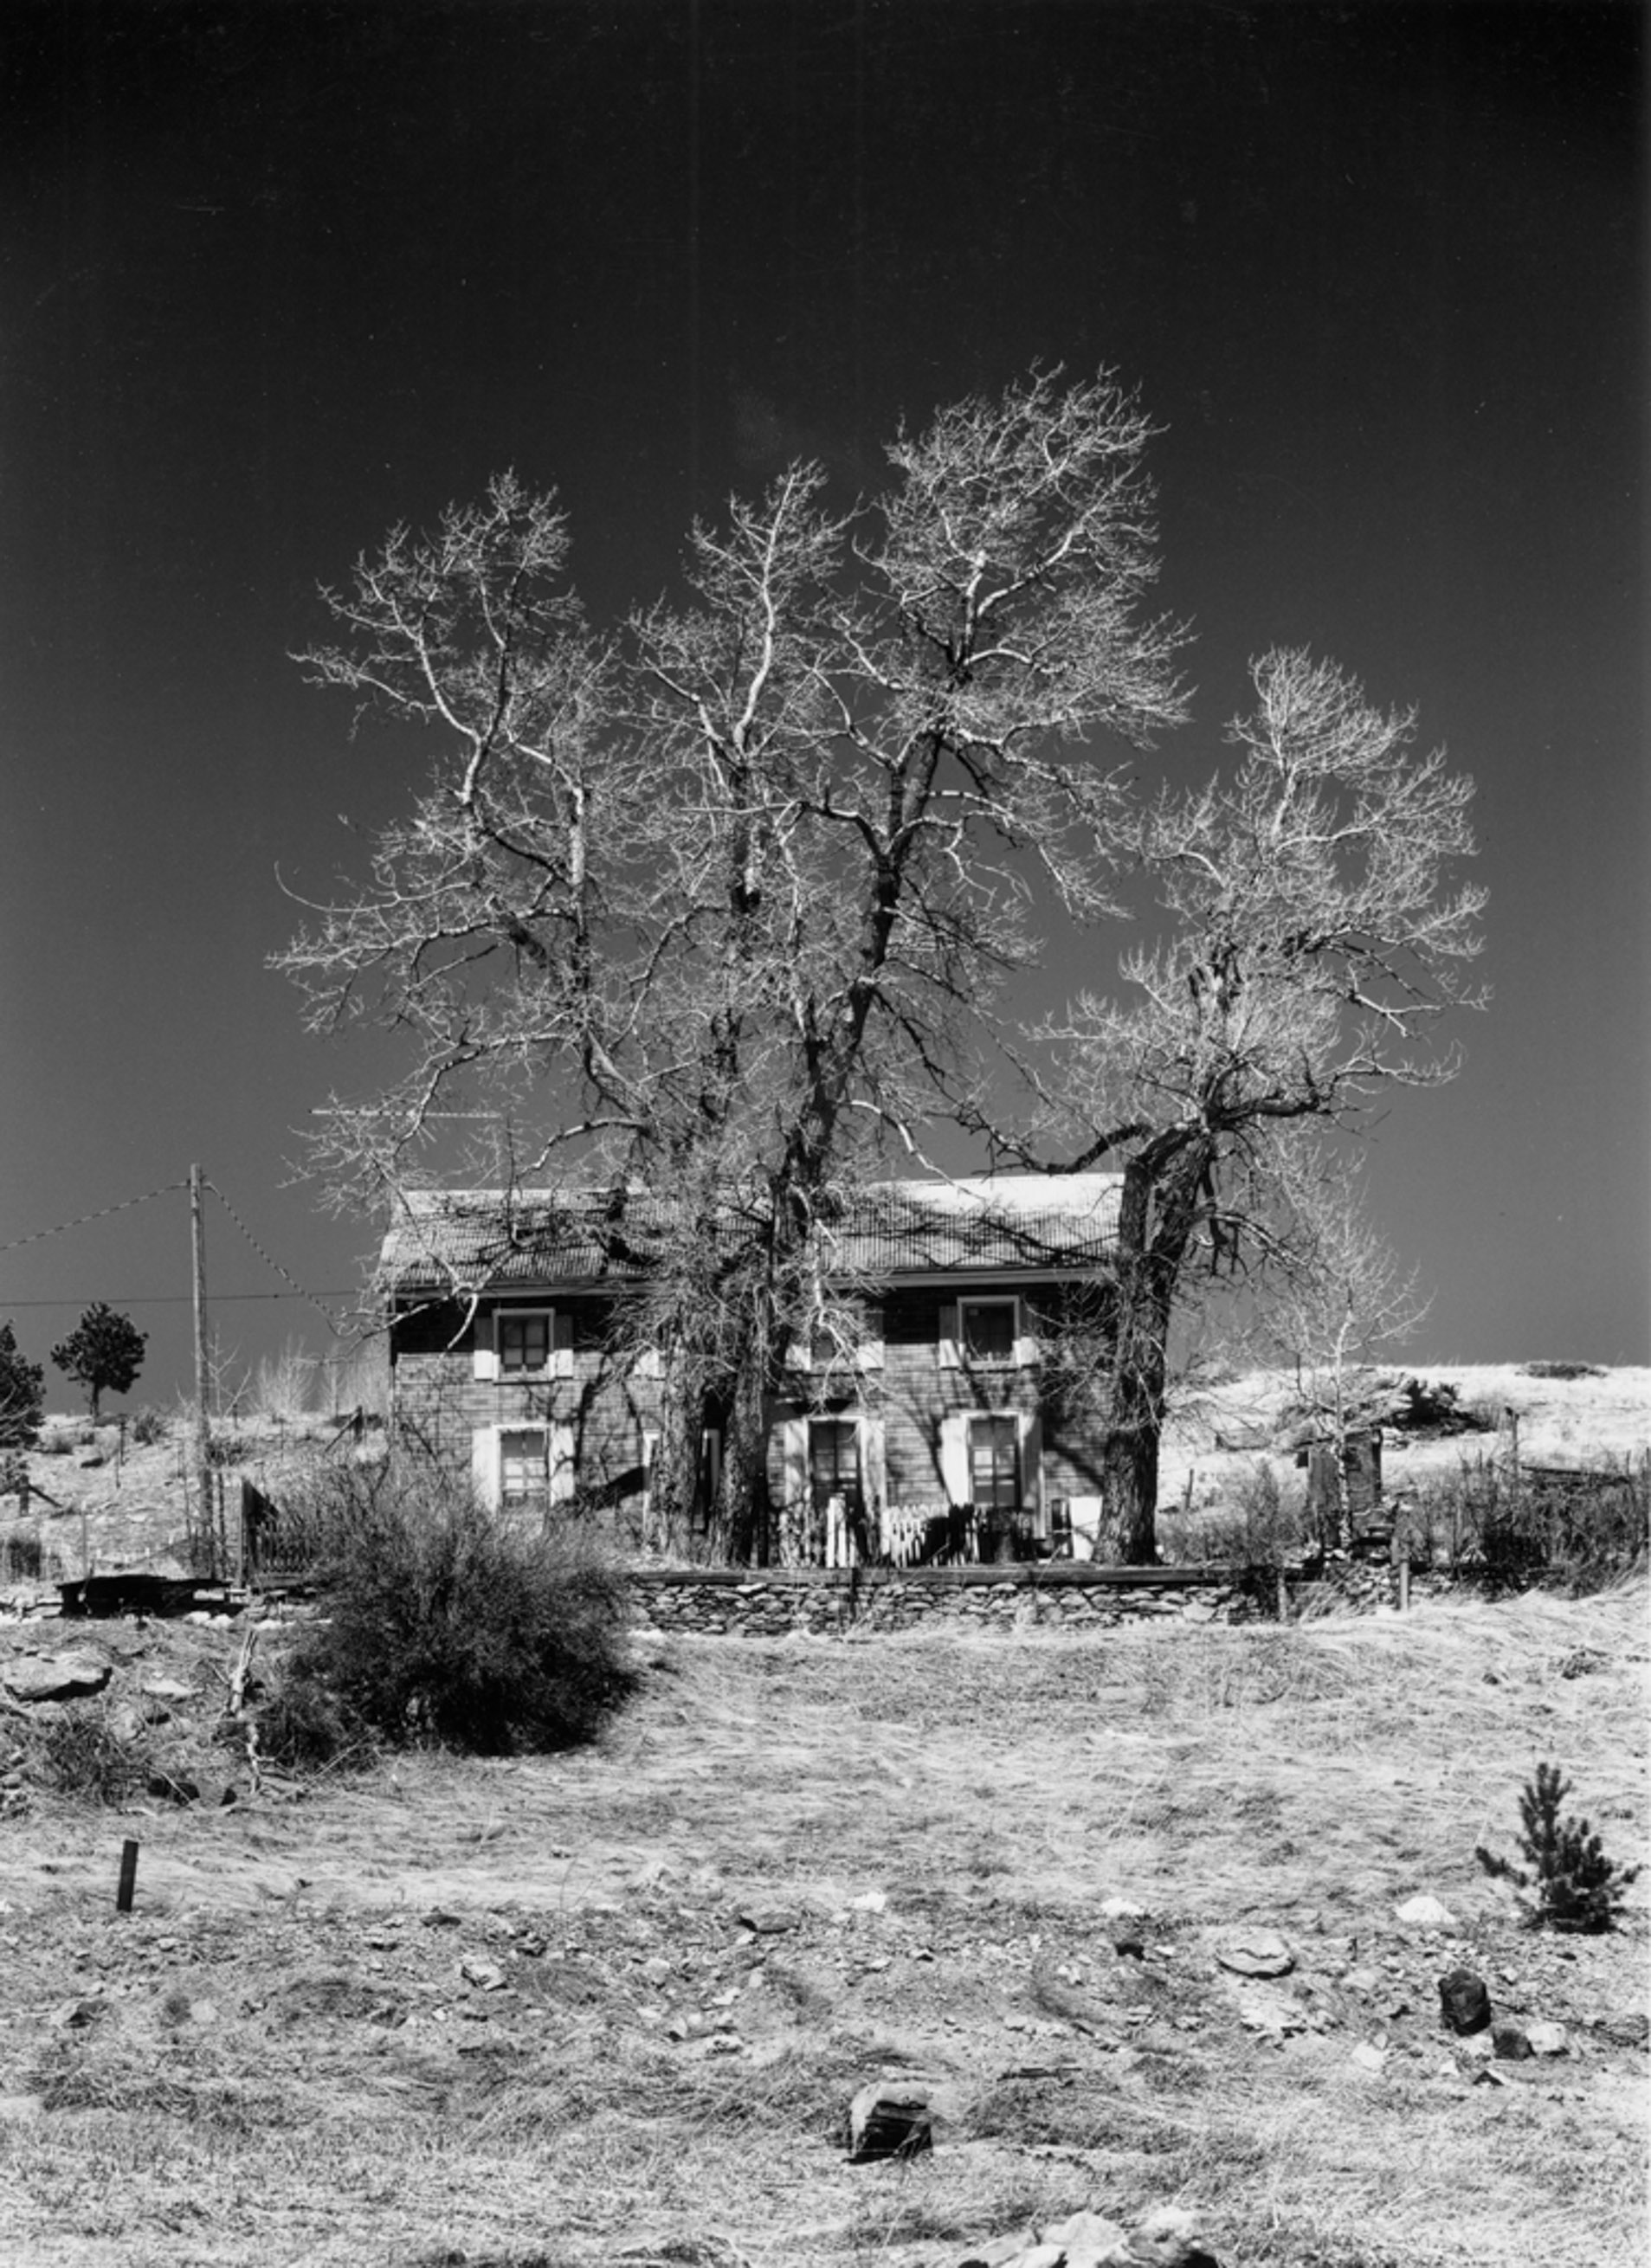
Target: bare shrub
[82, 1754]
[446, 1624]
[284, 1387]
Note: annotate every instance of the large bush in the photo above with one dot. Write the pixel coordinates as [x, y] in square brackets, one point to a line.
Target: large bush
[445, 1623]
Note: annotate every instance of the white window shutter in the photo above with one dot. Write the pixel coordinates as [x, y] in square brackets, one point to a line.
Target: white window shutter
[485, 1364]
[955, 1458]
[648, 1363]
[794, 1459]
[560, 1343]
[948, 1338]
[1031, 1447]
[563, 1477]
[484, 1465]
[874, 1475]
[869, 1353]
[1025, 1337]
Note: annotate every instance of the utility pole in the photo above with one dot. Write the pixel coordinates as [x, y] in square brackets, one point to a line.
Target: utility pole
[202, 1422]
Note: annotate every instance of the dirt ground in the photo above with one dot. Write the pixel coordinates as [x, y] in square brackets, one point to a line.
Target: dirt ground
[612, 2005]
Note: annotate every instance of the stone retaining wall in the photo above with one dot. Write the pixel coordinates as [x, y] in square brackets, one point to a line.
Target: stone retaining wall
[773, 1601]
[768, 1602]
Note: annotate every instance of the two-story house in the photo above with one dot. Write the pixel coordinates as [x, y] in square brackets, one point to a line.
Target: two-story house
[950, 1402]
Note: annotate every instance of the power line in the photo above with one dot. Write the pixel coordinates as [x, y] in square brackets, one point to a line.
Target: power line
[166, 1190]
[170, 1299]
[271, 1262]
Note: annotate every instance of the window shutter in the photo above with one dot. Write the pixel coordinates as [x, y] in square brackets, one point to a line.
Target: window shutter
[648, 1363]
[955, 1458]
[1025, 1337]
[1031, 1445]
[563, 1477]
[484, 1363]
[484, 1465]
[794, 1459]
[874, 1475]
[869, 1353]
[560, 1343]
[948, 1345]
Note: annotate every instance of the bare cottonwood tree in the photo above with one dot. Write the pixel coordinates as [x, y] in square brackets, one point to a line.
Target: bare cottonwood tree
[1311, 937]
[719, 906]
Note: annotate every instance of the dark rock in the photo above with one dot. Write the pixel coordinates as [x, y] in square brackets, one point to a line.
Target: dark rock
[174, 1788]
[1130, 1945]
[890, 2119]
[1465, 2000]
[1510, 2041]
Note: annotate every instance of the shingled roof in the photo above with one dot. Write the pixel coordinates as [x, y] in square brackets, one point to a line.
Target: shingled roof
[488, 1240]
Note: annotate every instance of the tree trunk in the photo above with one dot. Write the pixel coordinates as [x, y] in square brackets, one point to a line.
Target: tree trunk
[1159, 1209]
[674, 1482]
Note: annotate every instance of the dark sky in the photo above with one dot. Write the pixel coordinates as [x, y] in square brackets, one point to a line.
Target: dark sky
[274, 276]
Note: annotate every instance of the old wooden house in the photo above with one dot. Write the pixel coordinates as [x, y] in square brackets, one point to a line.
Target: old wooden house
[952, 1405]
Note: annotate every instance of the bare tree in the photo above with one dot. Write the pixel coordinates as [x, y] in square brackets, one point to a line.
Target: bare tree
[1313, 938]
[721, 906]
[1339, 1295]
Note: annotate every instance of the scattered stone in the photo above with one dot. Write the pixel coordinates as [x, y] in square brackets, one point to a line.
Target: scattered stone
[1085, 2231]
[60, 1678]
[1368, 2057]
[1627, 2031]
[870, 1902]
[1510, 2040]
[486, 1975]
[1276, 2016]
[1465, 2000]
[168, 1689]
[1424, 1913]
[769, 1921]
[1477, 2046]
[1123, 1909]
[998, 2254]
[1169, 2236]
[1129, 1944]
[1548, 2039]
[1364, 1981]
[892, 2117]
[76, 2015]
[1254, 1952]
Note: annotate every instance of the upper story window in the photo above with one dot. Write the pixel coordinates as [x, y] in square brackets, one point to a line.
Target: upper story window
[987, 1328]
[524, 1343]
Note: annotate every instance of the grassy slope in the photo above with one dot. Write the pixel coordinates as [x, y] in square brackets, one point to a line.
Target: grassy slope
[346, 2096]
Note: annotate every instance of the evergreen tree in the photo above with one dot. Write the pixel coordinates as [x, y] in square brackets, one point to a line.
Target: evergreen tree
[103, 1350]
[22, 1394]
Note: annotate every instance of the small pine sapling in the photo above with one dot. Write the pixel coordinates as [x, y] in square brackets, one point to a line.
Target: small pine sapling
[1577, 1887]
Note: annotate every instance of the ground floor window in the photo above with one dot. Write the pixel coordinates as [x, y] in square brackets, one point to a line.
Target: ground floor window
[834, 1462]
[524, 1468]
[994, 1464]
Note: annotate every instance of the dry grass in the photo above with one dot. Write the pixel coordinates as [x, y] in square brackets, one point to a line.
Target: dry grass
[290, 2065]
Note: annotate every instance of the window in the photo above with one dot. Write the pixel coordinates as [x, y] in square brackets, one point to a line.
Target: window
[834, 1462]
[523, 1342]
[988, 1329]
[524, 1467]
[994, 1464]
